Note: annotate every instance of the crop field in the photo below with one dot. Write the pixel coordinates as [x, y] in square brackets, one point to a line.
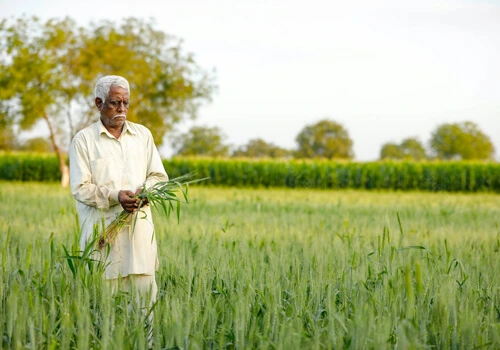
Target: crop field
[263, 269]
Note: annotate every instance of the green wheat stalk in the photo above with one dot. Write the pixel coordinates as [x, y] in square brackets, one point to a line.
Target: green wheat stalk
[162, 196]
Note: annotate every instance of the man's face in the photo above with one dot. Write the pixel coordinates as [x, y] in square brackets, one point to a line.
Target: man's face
[114, 110]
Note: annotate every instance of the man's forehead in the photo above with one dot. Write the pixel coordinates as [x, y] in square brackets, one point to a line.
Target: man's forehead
[118, 91]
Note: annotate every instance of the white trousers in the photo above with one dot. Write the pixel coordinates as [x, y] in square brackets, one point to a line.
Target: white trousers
[145, 289]
[144, 285]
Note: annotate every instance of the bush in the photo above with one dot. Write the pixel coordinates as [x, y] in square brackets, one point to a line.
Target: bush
[29, 167]
[457, 176]
[391, 175]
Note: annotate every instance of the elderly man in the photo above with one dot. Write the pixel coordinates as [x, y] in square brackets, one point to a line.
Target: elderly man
[110, 161]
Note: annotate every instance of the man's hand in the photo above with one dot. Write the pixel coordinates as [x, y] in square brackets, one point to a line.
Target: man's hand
[128, 201]
[144, 200]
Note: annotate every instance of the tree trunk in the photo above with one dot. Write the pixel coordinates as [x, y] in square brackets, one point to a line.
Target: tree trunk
[62, 165]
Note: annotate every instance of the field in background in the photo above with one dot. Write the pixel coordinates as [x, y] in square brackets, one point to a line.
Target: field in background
[432, 176]
[249, 268]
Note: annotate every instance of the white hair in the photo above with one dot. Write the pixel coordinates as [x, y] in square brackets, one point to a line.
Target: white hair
[104, 84]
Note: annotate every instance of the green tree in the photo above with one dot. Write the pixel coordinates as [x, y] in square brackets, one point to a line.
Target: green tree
[391, 151]
[201, 141]
[461, 141]
[325, 139]
[413, 149]
[167, 85]
[7, 139]
[410, 148]
[48, 71]
[37, 144]
[258, 148]
[32, 72]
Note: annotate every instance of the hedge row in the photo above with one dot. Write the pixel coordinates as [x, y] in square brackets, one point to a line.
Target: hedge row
[29, 167]
[426, 176]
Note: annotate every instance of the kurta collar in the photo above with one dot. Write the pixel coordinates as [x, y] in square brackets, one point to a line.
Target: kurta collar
[126, 128]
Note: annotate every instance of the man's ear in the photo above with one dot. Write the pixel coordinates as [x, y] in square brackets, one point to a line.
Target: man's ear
[98, 103]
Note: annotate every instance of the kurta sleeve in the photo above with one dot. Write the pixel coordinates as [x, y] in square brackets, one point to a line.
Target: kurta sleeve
[82, 188]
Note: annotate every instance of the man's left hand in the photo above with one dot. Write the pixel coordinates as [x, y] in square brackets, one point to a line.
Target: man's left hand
[144, 200]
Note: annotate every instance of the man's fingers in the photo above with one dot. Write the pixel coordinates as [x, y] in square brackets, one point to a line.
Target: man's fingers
[130, 194]
[128, 201]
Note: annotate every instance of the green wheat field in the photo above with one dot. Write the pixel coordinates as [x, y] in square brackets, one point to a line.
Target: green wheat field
[263, 269]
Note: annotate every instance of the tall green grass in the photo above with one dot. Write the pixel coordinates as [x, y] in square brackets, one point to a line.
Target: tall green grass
[325, 174]
[321, 174]
[255, 268]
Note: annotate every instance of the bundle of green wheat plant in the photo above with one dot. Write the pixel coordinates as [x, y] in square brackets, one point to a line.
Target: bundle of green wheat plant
[162, 196]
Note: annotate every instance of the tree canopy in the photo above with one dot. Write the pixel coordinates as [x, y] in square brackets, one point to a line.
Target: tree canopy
[409, 148]
[461, 141]
[325, 139]
[258, 148]
[37, 144]
[201, 141]
[7, 139]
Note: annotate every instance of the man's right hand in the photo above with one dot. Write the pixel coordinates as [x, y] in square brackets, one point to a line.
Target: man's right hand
[127, 200]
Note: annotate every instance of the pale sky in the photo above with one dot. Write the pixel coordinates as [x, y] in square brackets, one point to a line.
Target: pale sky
[386, 70]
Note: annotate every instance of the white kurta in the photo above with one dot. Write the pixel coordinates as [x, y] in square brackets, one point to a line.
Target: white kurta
[101, 166]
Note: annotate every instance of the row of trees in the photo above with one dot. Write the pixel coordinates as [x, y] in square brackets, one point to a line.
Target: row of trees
[329, 139]
[448, 141]
[325, 139]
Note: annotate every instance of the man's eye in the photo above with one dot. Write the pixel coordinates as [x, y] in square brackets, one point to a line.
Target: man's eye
[115, 104]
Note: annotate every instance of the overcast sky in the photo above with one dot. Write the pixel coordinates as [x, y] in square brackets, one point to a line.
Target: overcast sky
[386, 70]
